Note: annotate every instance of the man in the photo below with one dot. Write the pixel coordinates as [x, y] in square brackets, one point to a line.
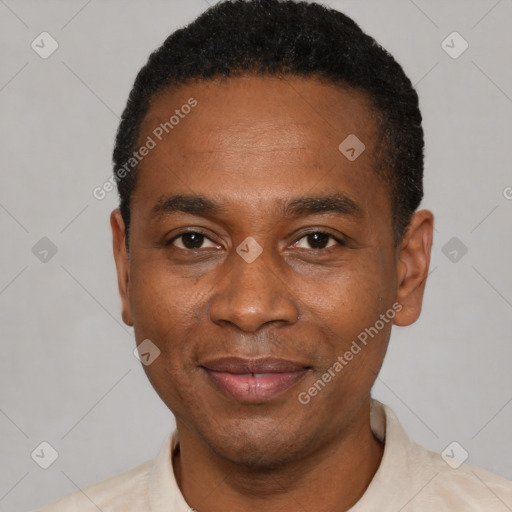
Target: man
[269, 164]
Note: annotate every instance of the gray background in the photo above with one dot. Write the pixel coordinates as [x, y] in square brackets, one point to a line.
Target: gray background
[69, 376]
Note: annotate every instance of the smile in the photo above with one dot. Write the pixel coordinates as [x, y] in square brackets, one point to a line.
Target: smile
[251, 380]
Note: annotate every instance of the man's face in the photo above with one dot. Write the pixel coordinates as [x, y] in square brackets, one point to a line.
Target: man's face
[258, 157]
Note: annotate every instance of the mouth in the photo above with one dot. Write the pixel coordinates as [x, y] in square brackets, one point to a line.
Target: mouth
[254, 380]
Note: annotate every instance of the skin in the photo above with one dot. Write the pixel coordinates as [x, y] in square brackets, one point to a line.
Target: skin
[251, 145]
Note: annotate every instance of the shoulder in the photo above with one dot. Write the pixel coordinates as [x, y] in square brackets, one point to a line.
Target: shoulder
[412, 478]
[127, 491]
[452, 484]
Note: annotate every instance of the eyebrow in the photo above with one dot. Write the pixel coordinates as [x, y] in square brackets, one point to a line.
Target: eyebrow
[335, 203]
[195, 205]
[299, 207]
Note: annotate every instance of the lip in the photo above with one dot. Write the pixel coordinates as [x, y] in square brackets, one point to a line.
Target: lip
[254, 380]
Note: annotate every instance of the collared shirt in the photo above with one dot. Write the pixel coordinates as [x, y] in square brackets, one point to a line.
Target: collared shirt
[410, 478]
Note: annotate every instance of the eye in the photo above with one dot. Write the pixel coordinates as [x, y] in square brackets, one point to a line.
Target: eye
[192, 240]
[317, 240]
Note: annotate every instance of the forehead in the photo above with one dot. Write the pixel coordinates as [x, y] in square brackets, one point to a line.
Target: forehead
[260, 102]
[257, 138]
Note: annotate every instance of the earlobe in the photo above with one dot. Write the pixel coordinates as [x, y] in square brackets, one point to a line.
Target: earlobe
[122, 264]
[413, 264]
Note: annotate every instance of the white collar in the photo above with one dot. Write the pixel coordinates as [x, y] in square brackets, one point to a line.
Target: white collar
[392, 476]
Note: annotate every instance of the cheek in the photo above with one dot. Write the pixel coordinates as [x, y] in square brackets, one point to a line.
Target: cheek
[356, 295]
[348, 310]
[165, 310]
[350, 318]
[160, 299]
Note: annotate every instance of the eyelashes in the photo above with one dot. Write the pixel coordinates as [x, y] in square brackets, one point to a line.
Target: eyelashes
[314, 240]
[190, 240]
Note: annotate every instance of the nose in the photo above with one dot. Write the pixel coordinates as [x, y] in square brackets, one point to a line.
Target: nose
[252, 295]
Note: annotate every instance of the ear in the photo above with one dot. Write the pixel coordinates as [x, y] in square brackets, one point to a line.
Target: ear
[122, 260]
[413, 265]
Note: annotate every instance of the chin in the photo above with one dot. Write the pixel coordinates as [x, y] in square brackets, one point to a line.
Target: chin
[257, 450]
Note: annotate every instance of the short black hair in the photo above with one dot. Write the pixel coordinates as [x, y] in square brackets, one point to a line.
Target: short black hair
[286, 37]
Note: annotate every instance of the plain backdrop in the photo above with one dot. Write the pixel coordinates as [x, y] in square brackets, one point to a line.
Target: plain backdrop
[68, 373]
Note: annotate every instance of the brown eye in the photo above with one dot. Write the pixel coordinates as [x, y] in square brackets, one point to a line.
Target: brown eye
[192, 240]
[316, 240]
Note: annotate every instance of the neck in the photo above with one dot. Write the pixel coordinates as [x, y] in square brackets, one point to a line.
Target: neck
[332, 478]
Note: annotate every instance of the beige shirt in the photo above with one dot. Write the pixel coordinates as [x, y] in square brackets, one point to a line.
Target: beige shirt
[409, 479]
